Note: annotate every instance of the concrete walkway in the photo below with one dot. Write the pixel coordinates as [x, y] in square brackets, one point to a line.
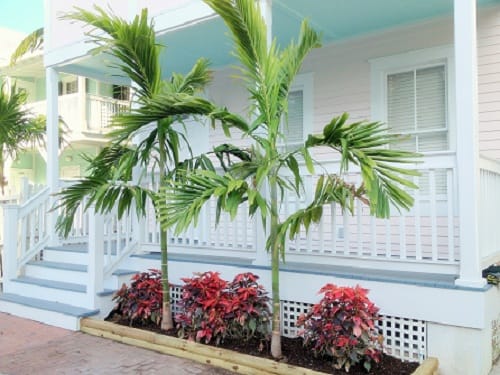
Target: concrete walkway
[28, 347]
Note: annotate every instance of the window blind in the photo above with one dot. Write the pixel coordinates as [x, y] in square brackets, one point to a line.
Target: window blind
[416, 107]
[293, 131]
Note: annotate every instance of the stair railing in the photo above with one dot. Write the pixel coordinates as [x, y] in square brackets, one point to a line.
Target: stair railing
[25, 233]
[110, 240]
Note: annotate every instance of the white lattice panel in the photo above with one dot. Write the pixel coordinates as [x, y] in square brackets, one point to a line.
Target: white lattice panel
[175, 297]
[290, 312]
[403, 338]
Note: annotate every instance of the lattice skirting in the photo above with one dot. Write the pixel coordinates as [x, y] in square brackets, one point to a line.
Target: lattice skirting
[403, 338]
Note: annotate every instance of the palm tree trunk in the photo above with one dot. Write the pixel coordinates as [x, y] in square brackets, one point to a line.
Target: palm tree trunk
[275, 274]
[167, 322]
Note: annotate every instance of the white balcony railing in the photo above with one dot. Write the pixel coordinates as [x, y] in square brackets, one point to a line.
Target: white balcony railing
[100, 111]
[93, 114]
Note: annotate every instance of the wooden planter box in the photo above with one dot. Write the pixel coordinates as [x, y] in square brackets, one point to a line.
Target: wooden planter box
[227, 359]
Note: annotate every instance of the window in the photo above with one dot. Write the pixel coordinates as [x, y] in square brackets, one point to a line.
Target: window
[410, 93]
[121, 92]
[300, 105]
[416, 107]
[72, 87]
[69, 85]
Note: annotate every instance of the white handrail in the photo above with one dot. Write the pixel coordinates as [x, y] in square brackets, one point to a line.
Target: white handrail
[25, 233]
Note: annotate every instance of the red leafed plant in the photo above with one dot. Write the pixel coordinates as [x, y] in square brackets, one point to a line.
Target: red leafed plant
[203, 303]
[342, 325]
[248, 312]
[213, 309]
[142, 300]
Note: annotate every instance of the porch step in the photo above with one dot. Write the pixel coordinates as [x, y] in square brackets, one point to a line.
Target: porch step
[57, 271]
[62, 285]
[48, 312]
[75, 254]
[50, 290]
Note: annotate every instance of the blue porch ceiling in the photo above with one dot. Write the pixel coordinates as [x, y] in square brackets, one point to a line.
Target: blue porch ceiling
[335, 19]
[341, 19]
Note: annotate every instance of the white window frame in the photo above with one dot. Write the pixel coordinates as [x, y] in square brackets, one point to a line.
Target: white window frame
[382, 67]
[305, 83]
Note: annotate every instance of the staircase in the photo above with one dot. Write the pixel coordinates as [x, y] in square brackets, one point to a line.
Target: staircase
[58, 285]
[54, 290]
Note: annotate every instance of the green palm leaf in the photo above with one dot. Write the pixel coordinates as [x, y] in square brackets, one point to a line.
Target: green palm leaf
[30, 44]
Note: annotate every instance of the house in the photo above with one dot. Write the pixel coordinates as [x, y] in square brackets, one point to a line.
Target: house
[85, 107]
[431, 70]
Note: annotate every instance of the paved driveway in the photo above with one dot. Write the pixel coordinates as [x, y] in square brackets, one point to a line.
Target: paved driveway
[28, 347]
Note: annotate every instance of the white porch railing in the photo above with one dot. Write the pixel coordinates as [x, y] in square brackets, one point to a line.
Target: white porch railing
[25, 233]
[110, 241]
[428, 233]
[100, 111]
[489, 211]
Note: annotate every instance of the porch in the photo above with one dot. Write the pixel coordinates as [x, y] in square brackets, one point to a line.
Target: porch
[419, 247]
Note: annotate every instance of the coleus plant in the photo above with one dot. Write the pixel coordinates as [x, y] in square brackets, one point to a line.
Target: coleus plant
[213, 309]
[342, 325]
[248, 308]
[142, 300]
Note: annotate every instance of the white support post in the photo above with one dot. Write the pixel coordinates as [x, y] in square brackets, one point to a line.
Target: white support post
[10, 235]
[82, 102]
[52, 148]
[96, 257]
[467, 141]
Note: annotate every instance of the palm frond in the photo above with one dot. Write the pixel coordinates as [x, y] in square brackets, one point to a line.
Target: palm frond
[248, 32]
[31, 43]
[329, 189]
[180, 203]
[194, 81]
[103, 195]
[134, 44]
[364, 144]
[293, 56]
[18, 125]
[167, 105]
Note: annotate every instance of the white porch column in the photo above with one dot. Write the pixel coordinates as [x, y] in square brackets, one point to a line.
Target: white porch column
[467, 141]
[82, 102]
[52, 146]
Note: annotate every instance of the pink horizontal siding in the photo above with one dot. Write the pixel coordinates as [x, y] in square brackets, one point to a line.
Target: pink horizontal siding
[489, 82]
[341, 74]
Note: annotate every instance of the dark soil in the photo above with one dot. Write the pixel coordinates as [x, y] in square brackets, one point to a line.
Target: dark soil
[294, 354]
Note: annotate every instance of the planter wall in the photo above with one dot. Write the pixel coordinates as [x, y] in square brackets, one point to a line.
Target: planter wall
[227, 359]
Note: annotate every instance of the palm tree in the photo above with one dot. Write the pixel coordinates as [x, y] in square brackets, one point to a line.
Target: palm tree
[269, 73]
[20, 128]
[110, 173]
